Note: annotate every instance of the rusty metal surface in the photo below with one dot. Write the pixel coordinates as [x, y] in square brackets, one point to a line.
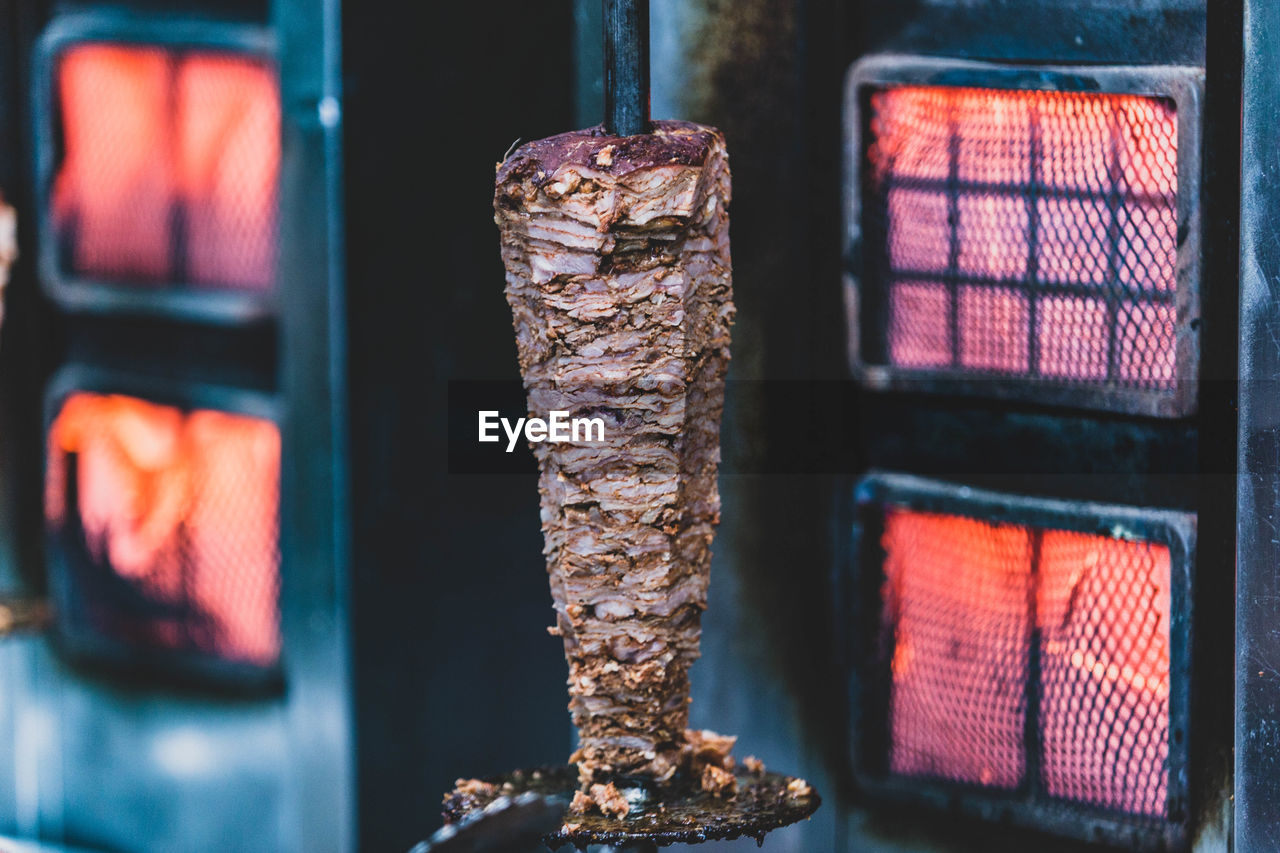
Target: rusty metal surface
[680, 815]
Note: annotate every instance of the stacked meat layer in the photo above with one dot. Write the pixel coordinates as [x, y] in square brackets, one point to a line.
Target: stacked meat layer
[618, 277]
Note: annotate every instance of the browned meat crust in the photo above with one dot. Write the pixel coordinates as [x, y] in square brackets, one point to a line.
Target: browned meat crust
[581, 803]
[610, 800]
[720, 783]
[799, 788]
[606, 799]
[618, 277]
[676, 143]
[470, 788]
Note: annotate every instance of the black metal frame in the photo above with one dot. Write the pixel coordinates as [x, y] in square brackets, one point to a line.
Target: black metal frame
[1029, 805]
[178, 300]
[92, 648]
[1182, 85]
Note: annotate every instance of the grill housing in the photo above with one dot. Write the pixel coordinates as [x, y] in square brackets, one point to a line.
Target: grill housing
[1056, 284]
[207, 185]
[199, 608]
[990, 682]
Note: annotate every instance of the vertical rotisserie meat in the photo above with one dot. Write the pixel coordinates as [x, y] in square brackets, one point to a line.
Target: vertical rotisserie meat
[618, 276]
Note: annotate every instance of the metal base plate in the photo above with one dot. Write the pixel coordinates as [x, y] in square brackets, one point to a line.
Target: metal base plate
[676, 814]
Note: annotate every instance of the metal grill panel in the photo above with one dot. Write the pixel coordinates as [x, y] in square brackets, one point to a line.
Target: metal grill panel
[169, 167]
[113, 193]
[1023, 658]
[1104, 609]
[169, 522]
[960, 596]
[229, 123]
[1023, 242]
[956, 593]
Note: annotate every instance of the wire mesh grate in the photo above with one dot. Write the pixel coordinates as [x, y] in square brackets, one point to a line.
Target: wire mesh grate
[1022, 234]
[957, 592]
[169, 167]
[1104, 626]
[1028, 657]
[169, 521]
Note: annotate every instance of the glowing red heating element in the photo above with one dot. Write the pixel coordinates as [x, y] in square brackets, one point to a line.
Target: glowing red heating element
[1026, 233]
[962, 596]
[184, 506]
[170, 166]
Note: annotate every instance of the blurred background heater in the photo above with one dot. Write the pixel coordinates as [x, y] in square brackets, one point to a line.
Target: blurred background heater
[1025, 243]
[162, 161]
[1028, 649]
[163, 527]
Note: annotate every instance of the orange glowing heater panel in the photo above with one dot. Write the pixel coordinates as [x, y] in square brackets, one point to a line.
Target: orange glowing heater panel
[962, 595]
[184, 508]
[1026, 234]
[170, 166]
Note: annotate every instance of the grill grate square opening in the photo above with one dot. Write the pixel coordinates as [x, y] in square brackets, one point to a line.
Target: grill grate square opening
[169, 167]
[1022, 235]
[166, 525]
[1028, 658]
[956, 591]
[1103, 611]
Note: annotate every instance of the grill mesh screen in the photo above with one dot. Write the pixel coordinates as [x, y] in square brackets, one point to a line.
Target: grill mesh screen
[169, 168]
[962, 597]
[1104, 623]
[1023, 234]
[169, 522]
[957, 591]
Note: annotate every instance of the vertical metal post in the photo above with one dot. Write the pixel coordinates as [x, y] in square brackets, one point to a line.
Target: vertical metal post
[314, 511]
[1256, 802]
[626, 67]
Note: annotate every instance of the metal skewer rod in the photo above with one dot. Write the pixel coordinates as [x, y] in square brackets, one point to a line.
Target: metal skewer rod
[626, 67]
